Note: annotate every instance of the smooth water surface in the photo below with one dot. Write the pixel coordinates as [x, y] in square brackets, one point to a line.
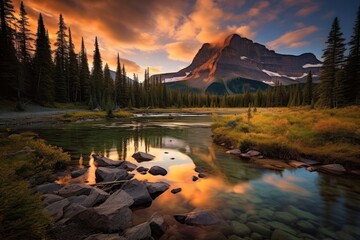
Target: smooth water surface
[251, 201]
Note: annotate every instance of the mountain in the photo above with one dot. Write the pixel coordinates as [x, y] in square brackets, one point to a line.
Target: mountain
[238, 63]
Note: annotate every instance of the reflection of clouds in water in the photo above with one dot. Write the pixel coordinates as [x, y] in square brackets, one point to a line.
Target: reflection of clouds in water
[288, 183]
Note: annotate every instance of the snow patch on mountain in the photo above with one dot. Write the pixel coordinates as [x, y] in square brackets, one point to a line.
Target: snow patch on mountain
[309, 65]
[243, 57]
[175, 79]
[274, 74]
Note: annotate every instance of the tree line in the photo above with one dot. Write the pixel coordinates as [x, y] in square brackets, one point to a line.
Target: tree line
[29, 69]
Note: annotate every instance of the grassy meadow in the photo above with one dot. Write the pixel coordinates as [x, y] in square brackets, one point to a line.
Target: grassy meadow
[327, 135]
[25, 161]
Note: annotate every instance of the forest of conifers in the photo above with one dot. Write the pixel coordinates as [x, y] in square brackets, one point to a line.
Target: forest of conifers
[30, 70]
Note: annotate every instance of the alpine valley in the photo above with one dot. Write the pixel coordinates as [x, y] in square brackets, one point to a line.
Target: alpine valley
[238, 64]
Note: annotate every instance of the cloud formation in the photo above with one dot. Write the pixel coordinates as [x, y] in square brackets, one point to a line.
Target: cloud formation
[293, 39]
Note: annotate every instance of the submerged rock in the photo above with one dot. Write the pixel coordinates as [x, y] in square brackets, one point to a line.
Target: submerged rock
[195, 178]
[297, 164]
[259, 228]
[157, 170]
[305, 226]
[281, 235]
[198, 217]
[101, 161]
[240, 229]
[141, 156]
[285, 217]
[104, 174]
[281, 226]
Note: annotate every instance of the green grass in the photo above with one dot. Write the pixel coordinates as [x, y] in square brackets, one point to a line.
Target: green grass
[75, 116]
[328, 135]
[25, 161]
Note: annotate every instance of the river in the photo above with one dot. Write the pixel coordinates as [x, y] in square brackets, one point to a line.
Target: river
[251, 201]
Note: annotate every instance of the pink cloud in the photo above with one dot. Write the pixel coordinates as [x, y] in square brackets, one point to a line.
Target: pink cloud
[292, 39]
[307, 10]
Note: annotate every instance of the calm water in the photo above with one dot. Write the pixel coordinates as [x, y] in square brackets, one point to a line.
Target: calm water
[309, 205]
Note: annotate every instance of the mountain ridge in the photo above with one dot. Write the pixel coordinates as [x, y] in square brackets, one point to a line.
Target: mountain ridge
[239, 57]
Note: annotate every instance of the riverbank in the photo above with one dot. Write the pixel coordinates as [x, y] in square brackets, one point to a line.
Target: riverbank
[324, 135]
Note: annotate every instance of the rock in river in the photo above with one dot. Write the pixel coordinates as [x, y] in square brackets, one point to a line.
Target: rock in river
[111, 174]
[141, 156]
[285, 217]
[234, 151]
[139, 192]
[156, 170]
[176, 190]
[120, 197]
[281, 235]
[75, 190]
[240, 229]
[101, 161]
[156, 188]
[142, 169]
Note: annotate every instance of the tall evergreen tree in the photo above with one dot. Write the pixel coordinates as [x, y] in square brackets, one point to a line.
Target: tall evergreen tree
[124, 91]
[43, 85]
[61, 63]
[352, 69]
[84, 75]
[333, 61]
[108, 91]
[97, 77]
[308, 92]
[24, 39]
[8, 60]
[73, 72]
[118, 82]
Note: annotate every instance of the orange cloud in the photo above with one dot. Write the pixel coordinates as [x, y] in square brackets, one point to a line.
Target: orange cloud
[307, 10]
[182, 51]
[292, 39]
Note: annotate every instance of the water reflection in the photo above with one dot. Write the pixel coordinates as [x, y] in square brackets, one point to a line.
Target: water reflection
[238, 190]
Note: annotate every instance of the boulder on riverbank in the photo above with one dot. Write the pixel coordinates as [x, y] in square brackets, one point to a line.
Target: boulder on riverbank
[141, 231]
[156, 188]
[157, 225]
[75, 190]
[50, 188]
[141, 156]
[139, 192]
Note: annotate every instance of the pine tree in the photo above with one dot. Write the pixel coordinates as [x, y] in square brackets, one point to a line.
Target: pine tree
[118, 82]
[339, 94]
[97, 77]
[73, 72]
[308, 92]
[84, 75]
[61, 63]
[24, 39]
[333, 61]
[108, 94]
[352, 68]
[124, 91]
[8, 60]
[43, 85]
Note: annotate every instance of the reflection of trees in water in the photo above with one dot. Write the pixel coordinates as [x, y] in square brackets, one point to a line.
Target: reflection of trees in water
[341, 198]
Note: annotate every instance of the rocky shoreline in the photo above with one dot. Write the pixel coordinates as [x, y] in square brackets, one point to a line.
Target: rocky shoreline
[257, 157]
[104, 210]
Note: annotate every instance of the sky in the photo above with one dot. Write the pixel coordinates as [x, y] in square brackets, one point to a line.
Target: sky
[165, 35]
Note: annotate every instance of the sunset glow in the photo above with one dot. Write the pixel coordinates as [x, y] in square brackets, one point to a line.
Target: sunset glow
[165, 37]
